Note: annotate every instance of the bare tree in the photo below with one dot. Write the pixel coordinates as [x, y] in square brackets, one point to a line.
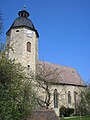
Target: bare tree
[44, 75]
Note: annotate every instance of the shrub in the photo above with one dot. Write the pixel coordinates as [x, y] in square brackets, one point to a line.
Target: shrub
[66, 112]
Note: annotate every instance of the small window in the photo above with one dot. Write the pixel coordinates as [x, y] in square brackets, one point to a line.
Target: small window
[55, 98]
[28, 67]
[8, 45]
[69, 97]
[28, 46]
[17, 30]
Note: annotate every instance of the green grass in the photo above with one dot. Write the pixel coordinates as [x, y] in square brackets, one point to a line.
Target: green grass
[77, 118]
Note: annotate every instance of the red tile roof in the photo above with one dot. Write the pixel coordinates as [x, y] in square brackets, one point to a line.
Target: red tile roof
[58, 74]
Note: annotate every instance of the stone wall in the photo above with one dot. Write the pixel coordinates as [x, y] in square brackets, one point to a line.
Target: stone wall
[18, 38]
[62, 91]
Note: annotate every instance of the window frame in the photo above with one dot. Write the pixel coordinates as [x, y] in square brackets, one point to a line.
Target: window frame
[69, 97]
[55, 98]
[28, 46]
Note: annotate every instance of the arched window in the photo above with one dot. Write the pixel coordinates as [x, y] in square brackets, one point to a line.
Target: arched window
[28, 46]
[55, 98]
[69, 97]
[75, 99]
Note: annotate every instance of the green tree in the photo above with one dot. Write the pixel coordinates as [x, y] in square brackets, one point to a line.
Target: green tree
[84, 102]
[16, 94]
[81, 107]
[87, 97]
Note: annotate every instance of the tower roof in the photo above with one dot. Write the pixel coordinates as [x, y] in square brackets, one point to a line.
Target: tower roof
[23, 21]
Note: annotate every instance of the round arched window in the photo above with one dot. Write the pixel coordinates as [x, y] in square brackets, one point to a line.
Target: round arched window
[28, 46]
[69, 97]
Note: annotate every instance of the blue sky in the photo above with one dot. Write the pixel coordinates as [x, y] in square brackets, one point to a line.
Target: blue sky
[64, 29]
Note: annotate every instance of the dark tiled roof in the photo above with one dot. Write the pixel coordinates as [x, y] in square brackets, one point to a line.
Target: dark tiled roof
[59, 74]
[23, 21]
[43, 115]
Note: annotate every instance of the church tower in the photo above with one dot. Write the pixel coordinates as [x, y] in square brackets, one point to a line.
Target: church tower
[23, 38]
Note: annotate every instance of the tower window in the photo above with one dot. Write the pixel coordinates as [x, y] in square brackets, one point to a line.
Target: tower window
[28, 46]
[28, 67]
[55, 98]
[69, 97]
[17, 30]
[8, 45]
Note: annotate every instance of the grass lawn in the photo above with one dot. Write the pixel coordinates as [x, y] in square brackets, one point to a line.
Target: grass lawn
[77, 118]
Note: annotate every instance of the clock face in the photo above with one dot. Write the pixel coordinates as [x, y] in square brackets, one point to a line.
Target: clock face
[30, 33]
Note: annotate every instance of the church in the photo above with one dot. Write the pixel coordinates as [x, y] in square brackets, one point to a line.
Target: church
[66, 83]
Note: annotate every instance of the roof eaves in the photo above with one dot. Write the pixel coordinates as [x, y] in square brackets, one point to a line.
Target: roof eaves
[25, 27]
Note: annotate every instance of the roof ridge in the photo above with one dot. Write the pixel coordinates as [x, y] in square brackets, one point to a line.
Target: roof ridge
[56, 64]
[69, 75]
